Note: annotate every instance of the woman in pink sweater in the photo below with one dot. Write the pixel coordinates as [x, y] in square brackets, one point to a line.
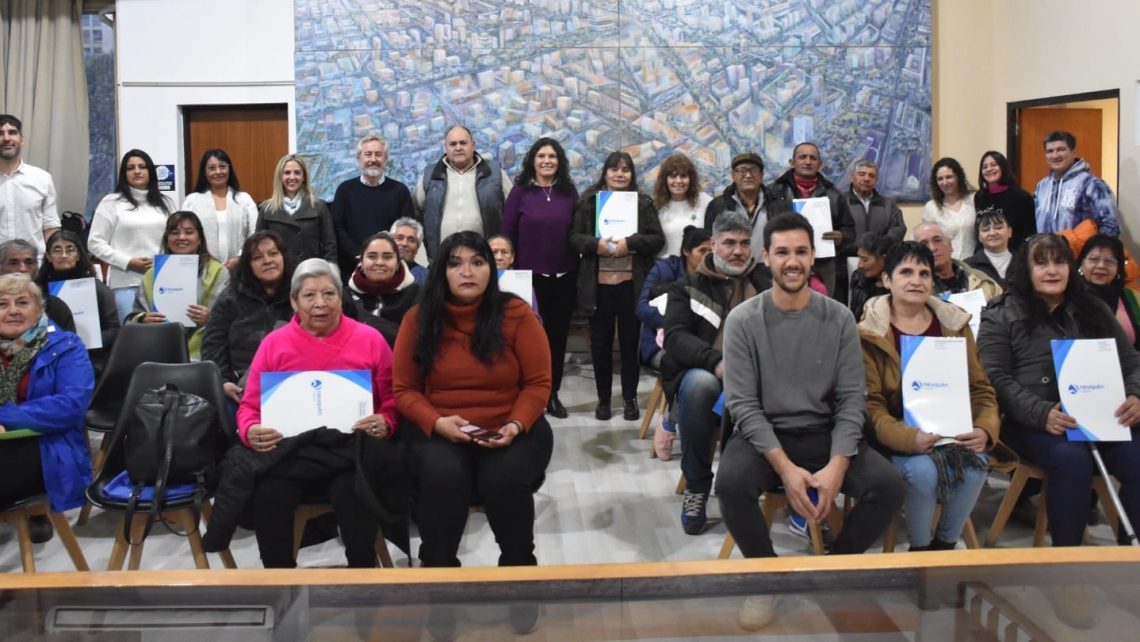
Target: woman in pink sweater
[320, 338]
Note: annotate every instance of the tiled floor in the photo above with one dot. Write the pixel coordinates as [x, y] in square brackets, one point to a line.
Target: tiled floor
[604, 500]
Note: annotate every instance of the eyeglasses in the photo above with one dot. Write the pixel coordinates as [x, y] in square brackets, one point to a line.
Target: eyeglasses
[746, 171]
[64, 251]
[1106, 261]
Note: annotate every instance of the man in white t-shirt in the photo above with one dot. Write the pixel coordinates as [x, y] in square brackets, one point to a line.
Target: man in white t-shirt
[27, 194]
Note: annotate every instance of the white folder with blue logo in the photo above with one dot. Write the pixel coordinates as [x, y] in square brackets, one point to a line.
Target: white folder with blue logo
[518, 282]
[818, 212]
[80, 297]
[1091, 387]
[293, 402]
[936, 385]
[175, 286]
[971, 301]
[616, 215]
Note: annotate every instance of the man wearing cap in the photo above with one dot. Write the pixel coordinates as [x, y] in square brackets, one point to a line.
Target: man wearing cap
[745, 195]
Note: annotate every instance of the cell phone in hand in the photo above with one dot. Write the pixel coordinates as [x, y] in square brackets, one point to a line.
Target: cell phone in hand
[813, 495]
[475, 432]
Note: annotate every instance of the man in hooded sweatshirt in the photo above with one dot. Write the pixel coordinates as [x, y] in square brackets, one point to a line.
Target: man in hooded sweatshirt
[1070, 195]
[693, 367]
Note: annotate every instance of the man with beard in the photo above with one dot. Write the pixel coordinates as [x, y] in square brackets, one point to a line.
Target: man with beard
[27, 193]
[693, 366]
[369, 204]
[462, 191]
[794, 387]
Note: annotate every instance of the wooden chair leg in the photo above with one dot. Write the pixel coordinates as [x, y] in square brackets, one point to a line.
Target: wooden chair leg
[726, 547]
[193, 537]
[138, 525]
[681, 485]
[891, 534]
[1016, 485]
[651, 409]
[382, 551]
[816, 537]
[772, 503]
[24, 536]
[970, 534]
[118, 551]
[299, 521]
[70, 544]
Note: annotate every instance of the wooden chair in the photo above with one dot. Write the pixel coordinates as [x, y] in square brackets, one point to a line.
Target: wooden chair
[1022, 472]
[308, 511]
[968, 533]
[656, 405]
[775, 501]
[17, 515]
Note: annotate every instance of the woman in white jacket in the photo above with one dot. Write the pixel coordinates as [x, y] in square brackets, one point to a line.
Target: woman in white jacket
[228, 214]
[128, 225]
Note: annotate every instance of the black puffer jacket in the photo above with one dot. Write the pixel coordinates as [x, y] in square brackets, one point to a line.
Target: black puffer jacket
[697, 308]
[238, 322]
[643, 246]
[384, 312]
[1019, 359]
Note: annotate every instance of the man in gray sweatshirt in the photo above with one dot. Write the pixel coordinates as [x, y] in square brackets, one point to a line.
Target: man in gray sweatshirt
[794, 387]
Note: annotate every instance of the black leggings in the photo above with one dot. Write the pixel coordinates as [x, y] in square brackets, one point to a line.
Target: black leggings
[556, 295]
[450, 475]
[615, 303]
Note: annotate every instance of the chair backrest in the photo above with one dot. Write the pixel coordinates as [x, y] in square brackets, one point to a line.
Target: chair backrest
[136, 343]
[200, 378]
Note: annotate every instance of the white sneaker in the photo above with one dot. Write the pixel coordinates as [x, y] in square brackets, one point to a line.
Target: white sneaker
[757, 612]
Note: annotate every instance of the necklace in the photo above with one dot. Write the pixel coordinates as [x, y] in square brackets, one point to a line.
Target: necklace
[547, 190]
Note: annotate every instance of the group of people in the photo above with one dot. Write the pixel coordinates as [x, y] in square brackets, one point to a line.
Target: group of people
[724, 295]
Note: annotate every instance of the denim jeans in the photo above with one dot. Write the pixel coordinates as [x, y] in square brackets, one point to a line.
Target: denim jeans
[921, 477]
[698, 423]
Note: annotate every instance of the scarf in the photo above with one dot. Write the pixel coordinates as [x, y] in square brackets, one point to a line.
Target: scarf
[291, 205]
[739, 288]
[805, 186]
[951, 461]
[18, 354]
[362, 285]
[996, 188]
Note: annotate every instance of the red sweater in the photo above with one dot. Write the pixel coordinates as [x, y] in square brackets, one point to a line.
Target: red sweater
[515, 387]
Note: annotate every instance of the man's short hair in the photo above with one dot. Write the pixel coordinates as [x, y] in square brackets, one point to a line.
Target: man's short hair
[941, 229]
[464, 128]
[407, 221]
[369, 139]
[731, 222]
[17, 244]
[1061, 135]
[9, 119]
[806, 142]
[865, 163]
[786, 223]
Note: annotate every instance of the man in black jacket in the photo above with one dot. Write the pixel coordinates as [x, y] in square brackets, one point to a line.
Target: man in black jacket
[802, 181]
[693, 366]
[746, 195]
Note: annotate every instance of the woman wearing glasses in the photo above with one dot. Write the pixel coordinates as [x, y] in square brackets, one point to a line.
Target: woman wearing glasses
[66, 259]
[1102, 265]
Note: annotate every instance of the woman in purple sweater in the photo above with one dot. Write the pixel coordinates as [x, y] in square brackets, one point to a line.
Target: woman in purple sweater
[537, 218]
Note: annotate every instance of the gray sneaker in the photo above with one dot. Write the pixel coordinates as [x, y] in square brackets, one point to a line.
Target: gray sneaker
[693, 514]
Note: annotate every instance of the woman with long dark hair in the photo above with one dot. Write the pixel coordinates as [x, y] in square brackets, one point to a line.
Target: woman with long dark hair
[679, 200]
[952, 206]
[536, 218]
[997, 191]
[255, 304]
[228, 214]
[184, 235]
[128, 225]
[382, 288]
[471, 379]
[65, 259]
[612, 273]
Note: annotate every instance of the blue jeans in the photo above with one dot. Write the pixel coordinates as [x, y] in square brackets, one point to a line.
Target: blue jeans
[921, 477]
[696, 395]
[125, 301]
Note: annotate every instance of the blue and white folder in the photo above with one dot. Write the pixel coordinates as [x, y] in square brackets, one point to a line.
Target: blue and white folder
[1091, 387]
[80, 297]
[936, 385]
[175, 286]
[818, 212]
[518, 282]
[972, 301]
[293, 402]
[616, 215]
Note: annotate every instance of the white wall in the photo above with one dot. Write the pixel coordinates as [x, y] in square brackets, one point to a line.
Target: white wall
[172, 53]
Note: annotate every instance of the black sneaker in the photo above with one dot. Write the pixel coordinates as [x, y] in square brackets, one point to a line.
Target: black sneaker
[602, 412]
[631, 413]
[40, 529]
[693, 514]
[554, 407]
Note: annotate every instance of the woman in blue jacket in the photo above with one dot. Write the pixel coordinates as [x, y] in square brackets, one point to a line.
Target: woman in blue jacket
[45, 386]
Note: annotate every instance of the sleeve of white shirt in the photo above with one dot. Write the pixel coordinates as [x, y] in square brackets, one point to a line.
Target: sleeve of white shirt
[50, 214]
[102, 228]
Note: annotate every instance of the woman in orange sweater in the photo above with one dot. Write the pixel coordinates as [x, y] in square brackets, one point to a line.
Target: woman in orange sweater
[472, 374]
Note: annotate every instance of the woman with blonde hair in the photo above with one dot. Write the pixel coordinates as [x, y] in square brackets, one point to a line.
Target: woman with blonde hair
[294, 212]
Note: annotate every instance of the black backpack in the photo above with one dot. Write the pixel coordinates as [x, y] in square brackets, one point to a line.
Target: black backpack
[171, 441]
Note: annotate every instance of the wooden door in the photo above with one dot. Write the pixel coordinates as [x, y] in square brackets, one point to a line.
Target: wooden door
[1035, 123]
[255, 137]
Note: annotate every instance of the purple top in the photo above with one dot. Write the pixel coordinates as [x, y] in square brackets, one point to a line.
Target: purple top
[540, 229]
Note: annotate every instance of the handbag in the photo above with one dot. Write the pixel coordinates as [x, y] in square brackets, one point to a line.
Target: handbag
[170, 441]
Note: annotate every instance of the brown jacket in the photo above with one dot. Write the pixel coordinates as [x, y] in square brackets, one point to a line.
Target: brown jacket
[883, 368]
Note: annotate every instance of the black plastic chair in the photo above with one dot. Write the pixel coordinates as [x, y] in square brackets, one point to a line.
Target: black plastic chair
[201, 379]
[135, 344]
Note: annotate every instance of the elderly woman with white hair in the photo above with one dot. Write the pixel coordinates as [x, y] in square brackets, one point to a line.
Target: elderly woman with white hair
[45, 385]
[327, 465]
